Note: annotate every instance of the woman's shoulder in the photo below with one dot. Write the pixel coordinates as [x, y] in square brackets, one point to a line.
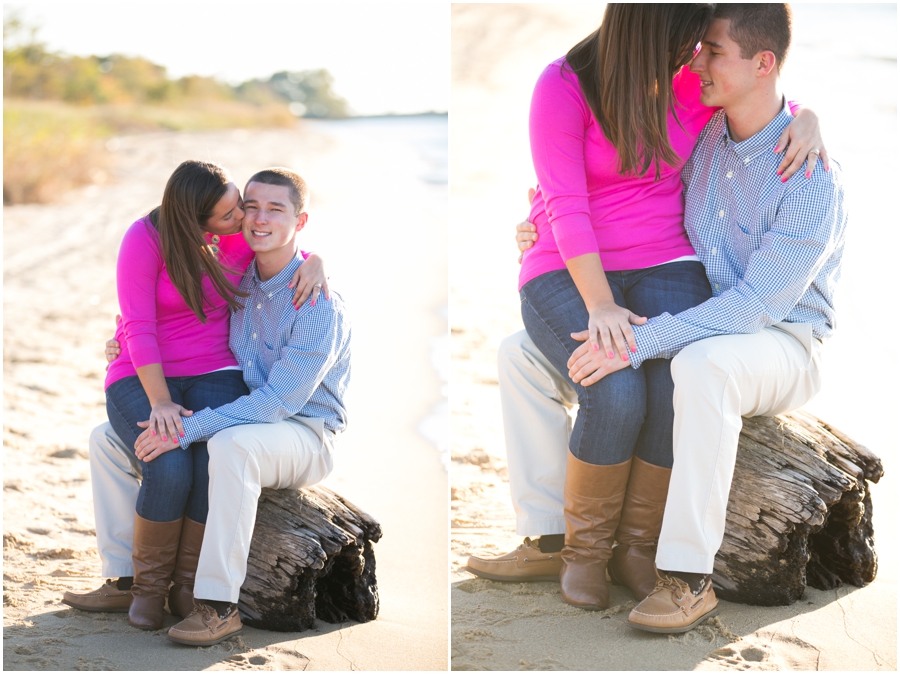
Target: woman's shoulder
[558, 79]
[141, 234]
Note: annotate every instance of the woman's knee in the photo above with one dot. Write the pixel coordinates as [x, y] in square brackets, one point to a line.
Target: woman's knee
[172, 472]
[622, 394]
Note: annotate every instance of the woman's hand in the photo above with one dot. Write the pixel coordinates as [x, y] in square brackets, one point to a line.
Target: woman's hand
[309, 279]
[587, 366]
[165, 420]
[526, 235]
[147, 447]
[610, 324]
[801, 142]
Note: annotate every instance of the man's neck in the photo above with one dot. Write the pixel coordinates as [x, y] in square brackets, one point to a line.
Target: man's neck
[271, 263]
[753, 114]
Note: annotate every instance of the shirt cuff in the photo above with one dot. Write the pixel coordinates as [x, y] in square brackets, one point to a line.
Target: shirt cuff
[648, 345]
[193, 431]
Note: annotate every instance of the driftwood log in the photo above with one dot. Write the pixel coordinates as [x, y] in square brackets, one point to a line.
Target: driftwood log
[311, 557]
[799, 513]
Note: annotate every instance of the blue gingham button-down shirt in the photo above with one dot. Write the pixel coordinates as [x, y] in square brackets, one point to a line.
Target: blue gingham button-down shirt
[772, 250]
[296, 363]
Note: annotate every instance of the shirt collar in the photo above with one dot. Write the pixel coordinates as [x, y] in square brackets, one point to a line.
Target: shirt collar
[277, 282]
[764, 140]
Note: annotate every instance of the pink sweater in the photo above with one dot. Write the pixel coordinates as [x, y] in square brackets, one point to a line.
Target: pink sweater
[157, 324]
[583, 205]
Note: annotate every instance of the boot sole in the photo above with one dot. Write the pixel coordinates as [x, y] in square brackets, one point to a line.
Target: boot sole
[188, 642]
[508, 579]
[94, 609]
[674, 630]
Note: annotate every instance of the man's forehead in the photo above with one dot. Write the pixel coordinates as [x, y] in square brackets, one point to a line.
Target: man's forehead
[263, 191]
[717, 33]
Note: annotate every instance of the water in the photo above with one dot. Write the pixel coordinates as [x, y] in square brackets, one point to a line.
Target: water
[398, 213]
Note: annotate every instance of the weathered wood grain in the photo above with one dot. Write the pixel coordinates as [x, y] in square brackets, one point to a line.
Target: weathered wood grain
[311, 557]
[799, 512]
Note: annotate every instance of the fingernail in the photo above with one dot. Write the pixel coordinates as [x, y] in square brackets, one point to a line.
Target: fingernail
[779, 171]
[152, 432]
[633, 349]
[808, 174]
[624, 357]
[181, 435]
[784, 180]
[777, 148]
[164, 438]
[313, 303]
[609, 354]
[596, 348]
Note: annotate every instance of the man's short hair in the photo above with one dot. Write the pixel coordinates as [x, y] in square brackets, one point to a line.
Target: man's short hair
[758, 27]
[276, 175]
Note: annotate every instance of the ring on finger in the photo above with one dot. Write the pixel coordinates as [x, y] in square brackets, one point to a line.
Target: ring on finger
[318, 285]
[814, 151]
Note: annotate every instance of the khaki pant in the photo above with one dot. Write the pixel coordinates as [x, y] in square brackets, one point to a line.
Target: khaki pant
[717, 382]
[535, 400]
[287, 454]
[115, 482]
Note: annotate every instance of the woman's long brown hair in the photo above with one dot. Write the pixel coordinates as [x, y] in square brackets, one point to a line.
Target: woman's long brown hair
[190, 198]
[625, 70]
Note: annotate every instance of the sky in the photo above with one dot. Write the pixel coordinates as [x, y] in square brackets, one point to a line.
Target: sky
[385, 57]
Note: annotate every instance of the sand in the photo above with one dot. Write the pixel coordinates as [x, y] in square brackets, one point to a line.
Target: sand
[498, 52]
[60, 300]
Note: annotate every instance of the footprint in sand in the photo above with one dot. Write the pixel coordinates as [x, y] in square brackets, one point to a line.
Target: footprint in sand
[267, 659]
[757, 653]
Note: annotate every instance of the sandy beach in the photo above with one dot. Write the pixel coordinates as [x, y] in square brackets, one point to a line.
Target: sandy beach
[59, 306]
[498, 52]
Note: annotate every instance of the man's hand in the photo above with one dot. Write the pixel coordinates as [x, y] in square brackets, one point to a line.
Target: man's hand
[587, 366]
[112, 346]
[148, 446]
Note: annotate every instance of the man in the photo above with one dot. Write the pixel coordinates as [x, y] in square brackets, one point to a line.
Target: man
[296, 364]
[772, 249]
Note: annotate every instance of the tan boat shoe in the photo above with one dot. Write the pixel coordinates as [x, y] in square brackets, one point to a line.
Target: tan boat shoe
[672, 608]
[204, 627]
[107, 599]
[525, 563]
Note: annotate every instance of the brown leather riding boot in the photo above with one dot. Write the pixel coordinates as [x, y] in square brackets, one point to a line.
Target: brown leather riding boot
[634, 558]
[153, 553]
[181, 594]
[592, 503]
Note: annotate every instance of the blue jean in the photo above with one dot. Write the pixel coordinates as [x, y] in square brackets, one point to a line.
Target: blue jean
[629, 412]
[175, 483]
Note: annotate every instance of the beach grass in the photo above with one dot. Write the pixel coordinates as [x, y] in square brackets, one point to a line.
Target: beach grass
[50, 147]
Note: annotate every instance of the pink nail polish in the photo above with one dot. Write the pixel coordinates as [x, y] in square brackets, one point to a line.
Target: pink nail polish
[808, 174]
[777, 148]
[312, 304]
[164, 438]
[596, 348]
[779, 171]
[624, 357]
[784, 180]
[633, 349]
[152, 432]
[609, 354]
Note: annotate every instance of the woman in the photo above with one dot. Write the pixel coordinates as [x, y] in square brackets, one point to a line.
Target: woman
[611, 129]
[178, 273]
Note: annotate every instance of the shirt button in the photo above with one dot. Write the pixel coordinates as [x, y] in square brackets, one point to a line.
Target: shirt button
[746, 160]
[215, 238]
[215, 249]
[729, 175]
[254, 335]
[270, 294]
[721, 214]
[717, 286]
[259, 306]
[250, 363]
[713, 251]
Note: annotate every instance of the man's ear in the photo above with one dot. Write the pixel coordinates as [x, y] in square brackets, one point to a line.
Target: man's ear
[765, 63]
[301, 221]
